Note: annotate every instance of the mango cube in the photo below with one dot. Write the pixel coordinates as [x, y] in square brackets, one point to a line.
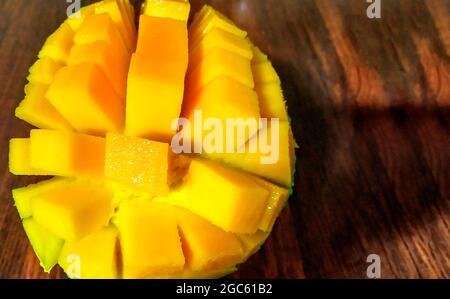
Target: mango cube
[251, 243]
[46, 245]
[84, 96]
[163, 38]
[276, 164]
[207, 19]
[206, 246]
[173, 9]
[121, 20]
[67, 154]
[265, 73]
[271, 101]
[154, 97]
[95, 255]
[220, 62]
[238, 207]
[19, 158]
[277, 200]
[57, 45]
[140, 163]
[73, 211]
[101, 28]
[75, 20]
[36, 110]
[149, 239]
[223, 98]
[258, 56]
[104, 55]
[44, 70]
[23, 196]
[218, 38]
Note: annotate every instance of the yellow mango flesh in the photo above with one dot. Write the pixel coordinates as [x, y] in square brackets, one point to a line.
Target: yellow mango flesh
[238, 207]
[19, 158]
[67, 154]
[258, 56]
[163, 38]
[220, 62]
[73, 211]
[106, 57]
[265, 73]
[206, 246]
[251, 243]
[75, 20]
[223, 98]
[207, 19]
[23, 196]
[46, 245]
[271, 101]
[173, 9]
[210, 232]
[154, 97]
[276, 202]
[101, 28]
[139, 163]
[83, 95]
[279, 172]
[149, 239]
[36, 110]
[96, 255]
[218, 38]
[58, 45]
[121, 20]
[44, 70]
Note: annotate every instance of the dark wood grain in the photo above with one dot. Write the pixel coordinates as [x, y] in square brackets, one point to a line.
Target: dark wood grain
[369, 100]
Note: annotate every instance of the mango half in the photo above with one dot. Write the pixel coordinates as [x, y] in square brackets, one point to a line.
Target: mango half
[108, 99]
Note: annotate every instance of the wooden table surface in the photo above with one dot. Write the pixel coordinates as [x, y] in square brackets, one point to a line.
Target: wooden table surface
[369, 100]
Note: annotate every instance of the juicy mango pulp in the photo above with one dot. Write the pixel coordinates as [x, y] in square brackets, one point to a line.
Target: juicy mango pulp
[79, 84]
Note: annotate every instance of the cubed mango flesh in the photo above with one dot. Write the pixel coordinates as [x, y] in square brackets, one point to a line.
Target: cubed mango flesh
[275, 163]
[121, 20]
[165, 39]
[207, 19]
[258, 56]
[104, 55]
[219, 38]
[46, 245]
[95, 255]
[73, 211]
[140, 163]
[36, 110]
[271, 101]
[66, 153]
[265, 73]
[23, 196]
[83, 95]
[251, 243]
[154, 97]
[238, 207]
[149, 240]
[101, 27]
[220, 62]
[44, 70]
[276, 202]
[19, 158]
[206, 247]
[172, 9]
[76, 19]
[223, 98]
[57, 45]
